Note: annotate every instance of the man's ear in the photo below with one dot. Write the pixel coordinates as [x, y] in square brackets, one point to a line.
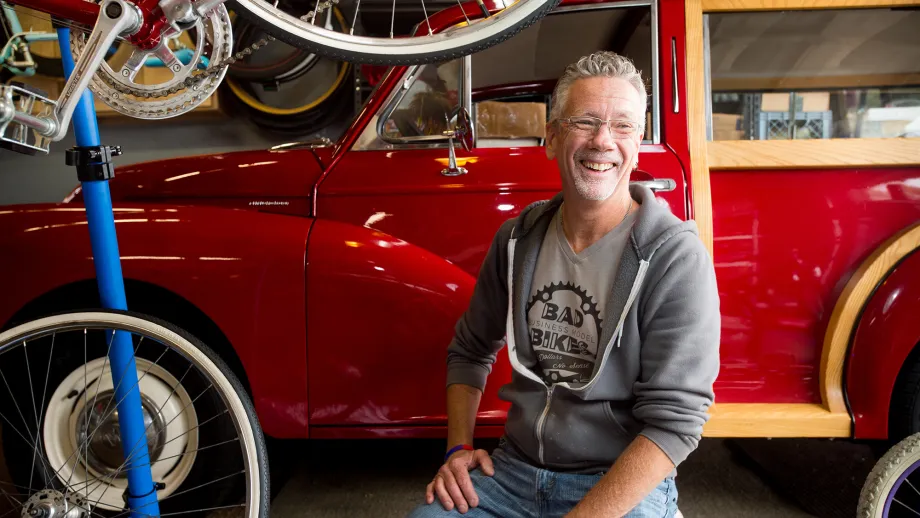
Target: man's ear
[551, 136]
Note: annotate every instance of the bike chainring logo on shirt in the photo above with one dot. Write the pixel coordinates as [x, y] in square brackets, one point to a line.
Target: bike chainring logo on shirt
[564, 330]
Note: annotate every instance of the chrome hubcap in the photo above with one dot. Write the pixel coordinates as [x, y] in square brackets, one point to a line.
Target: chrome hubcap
[104, 452]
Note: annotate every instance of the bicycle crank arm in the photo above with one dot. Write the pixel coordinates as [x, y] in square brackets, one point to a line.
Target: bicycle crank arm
[116, 18]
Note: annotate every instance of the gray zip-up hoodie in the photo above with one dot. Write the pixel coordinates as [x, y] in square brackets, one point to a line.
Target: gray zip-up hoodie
[656, 366]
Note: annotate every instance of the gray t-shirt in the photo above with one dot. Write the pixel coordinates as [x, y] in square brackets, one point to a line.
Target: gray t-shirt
[567, 301]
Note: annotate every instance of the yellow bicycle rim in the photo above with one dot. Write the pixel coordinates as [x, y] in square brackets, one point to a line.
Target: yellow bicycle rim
[256, 104]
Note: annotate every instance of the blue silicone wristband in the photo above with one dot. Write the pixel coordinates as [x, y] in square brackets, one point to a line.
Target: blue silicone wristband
[455, 449]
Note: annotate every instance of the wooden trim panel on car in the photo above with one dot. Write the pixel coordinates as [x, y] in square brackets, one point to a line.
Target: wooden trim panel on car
[849, 306]
[794, 154]
[696, 123]
[775, 420]
[818, 153]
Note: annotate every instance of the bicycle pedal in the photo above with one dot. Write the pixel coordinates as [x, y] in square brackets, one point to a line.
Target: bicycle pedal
[18, 100]
[29, 88]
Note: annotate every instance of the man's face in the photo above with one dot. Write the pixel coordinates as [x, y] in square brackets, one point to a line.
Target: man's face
[593, 164]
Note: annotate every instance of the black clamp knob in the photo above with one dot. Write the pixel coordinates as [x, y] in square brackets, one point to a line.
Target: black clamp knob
[157, 486]
[94, 163]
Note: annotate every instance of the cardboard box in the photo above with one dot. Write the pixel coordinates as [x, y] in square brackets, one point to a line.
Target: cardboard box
[805, 101]
[727, 126]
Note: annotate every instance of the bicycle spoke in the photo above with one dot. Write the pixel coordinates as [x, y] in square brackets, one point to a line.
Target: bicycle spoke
[354, 21]
[392, 19]
[911, 486]
[196, 427]
[462, 10]
[13, 501]
[905, 506]
[4, 483]
[121, 467]
[76, 460]
[107, 415]
[180, 512]
[137, 444]
[315, 10]
[37, 440]
[11, 511]
[427, 21]
[78, 487]
[12, 427]
[182, 493]
[13, 397]
[44, 395]
[96, 395]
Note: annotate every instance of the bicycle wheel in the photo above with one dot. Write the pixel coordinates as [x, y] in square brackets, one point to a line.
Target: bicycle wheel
[891, 490]
[466, 37]
[61, 430]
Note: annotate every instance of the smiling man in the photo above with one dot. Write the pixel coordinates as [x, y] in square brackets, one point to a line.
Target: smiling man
[607, 305]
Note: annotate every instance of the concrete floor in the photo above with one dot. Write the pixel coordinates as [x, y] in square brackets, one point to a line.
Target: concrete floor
[723, 478]
[387, 478]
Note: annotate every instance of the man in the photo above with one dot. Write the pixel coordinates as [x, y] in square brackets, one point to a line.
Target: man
[608, 305]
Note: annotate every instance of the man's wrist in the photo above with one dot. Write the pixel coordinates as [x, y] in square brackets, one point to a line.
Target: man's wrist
[455, 449]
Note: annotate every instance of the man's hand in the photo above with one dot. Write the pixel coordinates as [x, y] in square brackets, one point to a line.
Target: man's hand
[452, 483]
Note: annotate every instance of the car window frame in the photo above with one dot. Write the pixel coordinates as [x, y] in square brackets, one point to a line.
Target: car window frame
[787, 154]
[438, 141]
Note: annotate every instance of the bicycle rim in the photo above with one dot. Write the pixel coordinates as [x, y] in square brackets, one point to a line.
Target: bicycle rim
[458, 40]
[84, 476]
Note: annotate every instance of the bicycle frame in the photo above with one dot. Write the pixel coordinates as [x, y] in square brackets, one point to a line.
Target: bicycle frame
[142, 496]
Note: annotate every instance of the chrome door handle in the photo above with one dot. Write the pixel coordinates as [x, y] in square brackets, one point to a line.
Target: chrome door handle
[675, 96]
[659, 185]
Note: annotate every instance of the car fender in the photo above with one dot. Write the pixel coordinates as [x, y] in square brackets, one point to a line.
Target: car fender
[888, 331]
[243, 269]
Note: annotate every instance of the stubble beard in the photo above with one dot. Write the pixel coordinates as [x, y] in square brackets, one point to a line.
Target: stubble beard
[595, 189]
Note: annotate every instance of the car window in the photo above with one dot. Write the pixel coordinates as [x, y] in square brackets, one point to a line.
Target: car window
[512, 82]
[428, 104]
[518, 120]
[814, 74]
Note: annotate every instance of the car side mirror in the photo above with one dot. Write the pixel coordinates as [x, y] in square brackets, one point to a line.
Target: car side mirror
[463, 130]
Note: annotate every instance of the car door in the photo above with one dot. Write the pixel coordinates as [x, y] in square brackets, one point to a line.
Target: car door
[397, 181]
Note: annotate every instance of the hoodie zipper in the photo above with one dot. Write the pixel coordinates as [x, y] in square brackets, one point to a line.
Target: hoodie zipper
[542, 421]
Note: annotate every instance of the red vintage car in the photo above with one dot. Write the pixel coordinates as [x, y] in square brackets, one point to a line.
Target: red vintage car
[329, 274]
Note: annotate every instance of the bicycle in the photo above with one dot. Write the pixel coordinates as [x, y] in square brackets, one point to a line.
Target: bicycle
[151, 431]
[16, 58]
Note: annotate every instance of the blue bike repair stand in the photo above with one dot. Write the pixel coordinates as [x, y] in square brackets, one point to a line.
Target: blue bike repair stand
[95, 168]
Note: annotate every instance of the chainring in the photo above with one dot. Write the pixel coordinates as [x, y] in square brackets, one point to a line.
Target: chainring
[188, 87]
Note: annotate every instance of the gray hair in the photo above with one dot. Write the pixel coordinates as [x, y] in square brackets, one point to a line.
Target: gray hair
[598, 64]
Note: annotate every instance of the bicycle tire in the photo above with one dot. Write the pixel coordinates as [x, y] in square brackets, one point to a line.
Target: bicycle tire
[440, 47]
[228, 387]
[332, 109]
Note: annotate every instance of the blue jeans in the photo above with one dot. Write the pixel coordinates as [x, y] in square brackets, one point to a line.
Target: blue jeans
[519, 490]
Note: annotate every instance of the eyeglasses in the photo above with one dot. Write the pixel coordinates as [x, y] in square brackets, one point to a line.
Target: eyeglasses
[619, 128]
